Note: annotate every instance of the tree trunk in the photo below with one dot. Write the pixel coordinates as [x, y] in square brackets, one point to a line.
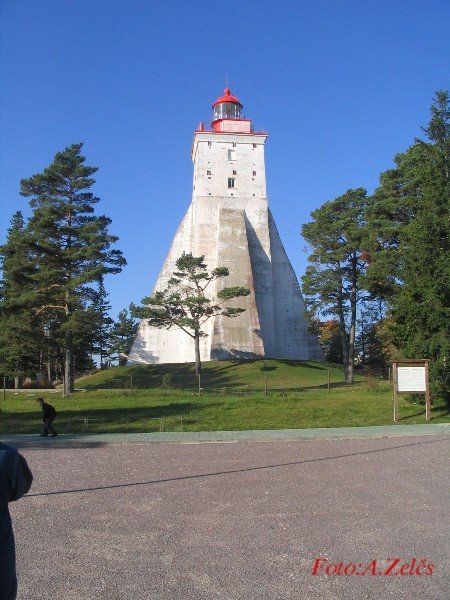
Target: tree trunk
[344, 340]
[351, 354]
[41, 360]
[345, 353]
[198, 366]
[49, 367]
[351, 341]
[68, 365]
[363, 341]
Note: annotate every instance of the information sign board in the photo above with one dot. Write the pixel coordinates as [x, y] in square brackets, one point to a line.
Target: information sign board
[411, 379]
[411, 376]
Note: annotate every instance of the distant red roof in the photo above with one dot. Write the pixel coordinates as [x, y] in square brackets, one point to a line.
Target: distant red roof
[227, 97]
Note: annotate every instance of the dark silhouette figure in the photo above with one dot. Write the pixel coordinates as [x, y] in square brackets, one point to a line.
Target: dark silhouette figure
[48, 416]
[15, 481]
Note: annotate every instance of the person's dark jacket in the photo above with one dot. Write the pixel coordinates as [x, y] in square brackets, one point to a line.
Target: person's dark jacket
[15, 481]
[48, 411]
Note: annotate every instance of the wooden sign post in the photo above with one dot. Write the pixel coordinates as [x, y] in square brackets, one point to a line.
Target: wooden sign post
[411, 377]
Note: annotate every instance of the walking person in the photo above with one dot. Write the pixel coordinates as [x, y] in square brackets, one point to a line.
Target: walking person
[48, 416]
[15, 481]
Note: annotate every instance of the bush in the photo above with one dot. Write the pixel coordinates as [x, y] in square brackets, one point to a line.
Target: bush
[34, 384]
[371, 383]
[168, 380]
[440, 381]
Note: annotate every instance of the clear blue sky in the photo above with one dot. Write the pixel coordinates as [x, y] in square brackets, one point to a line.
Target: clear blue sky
[341, 87]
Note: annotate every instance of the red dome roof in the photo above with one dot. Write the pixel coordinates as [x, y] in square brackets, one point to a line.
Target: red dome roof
[227, 97]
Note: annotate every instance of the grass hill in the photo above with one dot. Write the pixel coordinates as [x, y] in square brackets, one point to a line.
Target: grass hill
[227, 376]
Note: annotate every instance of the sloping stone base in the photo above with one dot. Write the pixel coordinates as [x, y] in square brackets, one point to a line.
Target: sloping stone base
[239, 234]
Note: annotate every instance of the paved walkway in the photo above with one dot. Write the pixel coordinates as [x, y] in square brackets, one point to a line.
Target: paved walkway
[119, 439]
[236, 521]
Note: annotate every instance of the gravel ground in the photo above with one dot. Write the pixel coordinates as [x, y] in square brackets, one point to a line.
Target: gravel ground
[235, 521]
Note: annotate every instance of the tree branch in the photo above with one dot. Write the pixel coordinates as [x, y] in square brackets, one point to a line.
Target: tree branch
[48, 306]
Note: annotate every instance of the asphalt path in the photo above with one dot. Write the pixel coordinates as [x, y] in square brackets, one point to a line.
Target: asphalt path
[236, 521]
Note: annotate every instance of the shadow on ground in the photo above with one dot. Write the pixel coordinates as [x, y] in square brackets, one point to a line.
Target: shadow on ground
[230, 374]
[130, 420]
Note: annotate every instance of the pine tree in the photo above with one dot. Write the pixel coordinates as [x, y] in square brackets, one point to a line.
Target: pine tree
[185, 304]
[72, 246]
[331, 284]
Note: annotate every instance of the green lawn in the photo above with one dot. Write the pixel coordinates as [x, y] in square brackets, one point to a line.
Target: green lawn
[228, 376]
[233, 398]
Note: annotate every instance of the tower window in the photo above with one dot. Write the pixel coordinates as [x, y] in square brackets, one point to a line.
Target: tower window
[254, 145]
[254, 173]
[209, 143]
[234, 172]
[231, 182]
[208, 172]
[231, 154]
[234, 144]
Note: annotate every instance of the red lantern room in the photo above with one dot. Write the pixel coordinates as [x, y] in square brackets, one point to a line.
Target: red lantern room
[227, 107]
[227, 114]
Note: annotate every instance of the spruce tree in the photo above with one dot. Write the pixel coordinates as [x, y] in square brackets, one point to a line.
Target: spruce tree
[101, 322]
[408, 248]
[20, 332]
[421, 306]
[121, 336]
[72, 246]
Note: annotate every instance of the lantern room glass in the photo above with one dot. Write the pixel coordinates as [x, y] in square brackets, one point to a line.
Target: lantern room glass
[227, 110]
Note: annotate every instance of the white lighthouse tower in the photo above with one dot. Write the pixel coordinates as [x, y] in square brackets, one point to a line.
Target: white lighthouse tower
[229, 222]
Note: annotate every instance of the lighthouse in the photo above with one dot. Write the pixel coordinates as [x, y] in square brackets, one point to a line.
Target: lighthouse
[229, 223]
